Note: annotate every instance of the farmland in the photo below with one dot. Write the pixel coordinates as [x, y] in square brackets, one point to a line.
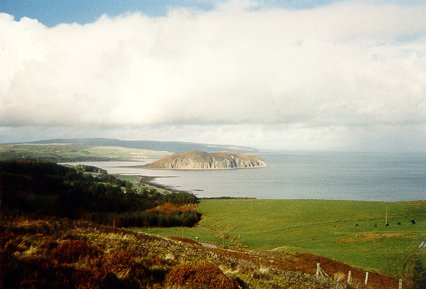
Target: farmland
[347, 231]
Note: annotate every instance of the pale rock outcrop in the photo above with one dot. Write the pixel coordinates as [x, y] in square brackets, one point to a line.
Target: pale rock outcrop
[193, 160]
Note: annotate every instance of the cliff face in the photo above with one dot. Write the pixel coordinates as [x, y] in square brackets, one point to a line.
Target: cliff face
[202, 161]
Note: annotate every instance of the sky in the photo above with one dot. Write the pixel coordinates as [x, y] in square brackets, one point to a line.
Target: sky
[280, 75]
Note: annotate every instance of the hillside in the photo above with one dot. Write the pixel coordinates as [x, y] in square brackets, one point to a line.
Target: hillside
[103, 149]
[63, 152]
[90, 193]
[51, 252]
[193, 160]
[351, 232]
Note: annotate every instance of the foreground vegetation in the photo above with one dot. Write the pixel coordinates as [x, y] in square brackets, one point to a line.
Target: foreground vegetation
[348, 231]
[52, 252]
[90, 193]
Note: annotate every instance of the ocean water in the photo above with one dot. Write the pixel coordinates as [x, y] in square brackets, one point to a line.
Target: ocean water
[333, 176]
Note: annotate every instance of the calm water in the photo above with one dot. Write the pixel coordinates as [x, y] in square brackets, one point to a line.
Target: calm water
[343, 176]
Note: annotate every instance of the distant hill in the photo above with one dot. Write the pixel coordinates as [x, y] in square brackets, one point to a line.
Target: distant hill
[202, 160]
[170, 146]
[65, 152]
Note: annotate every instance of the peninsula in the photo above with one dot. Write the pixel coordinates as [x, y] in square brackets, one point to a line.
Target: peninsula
[199, 160]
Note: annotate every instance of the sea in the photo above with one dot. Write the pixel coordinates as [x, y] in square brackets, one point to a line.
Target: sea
[300, 175]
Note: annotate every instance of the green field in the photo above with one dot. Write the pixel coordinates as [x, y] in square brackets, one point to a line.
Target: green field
[348, 231]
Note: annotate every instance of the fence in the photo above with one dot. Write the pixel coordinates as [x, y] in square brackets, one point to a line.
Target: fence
[320, 273]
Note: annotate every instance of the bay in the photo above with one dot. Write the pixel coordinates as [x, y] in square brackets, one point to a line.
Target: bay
[304, 175]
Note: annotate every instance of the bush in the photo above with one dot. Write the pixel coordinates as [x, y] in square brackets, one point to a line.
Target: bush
[34, 272]
[204, 275]
[110, 281]
[72, 250]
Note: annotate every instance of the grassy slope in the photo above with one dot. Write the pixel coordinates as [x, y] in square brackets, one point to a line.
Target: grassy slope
[71, 152]
[327, 228]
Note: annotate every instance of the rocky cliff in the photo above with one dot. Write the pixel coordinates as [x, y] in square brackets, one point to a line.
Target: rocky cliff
[194, 160]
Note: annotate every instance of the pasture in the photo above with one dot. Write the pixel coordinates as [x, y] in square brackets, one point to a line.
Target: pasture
[349, 231]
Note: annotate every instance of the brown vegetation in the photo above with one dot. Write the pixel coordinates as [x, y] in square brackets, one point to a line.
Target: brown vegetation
[203, 275]
[170, 208]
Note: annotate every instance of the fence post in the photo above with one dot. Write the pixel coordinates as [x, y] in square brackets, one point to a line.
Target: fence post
[366, 278]
[349, 277]
[318, 269]
[400, 284]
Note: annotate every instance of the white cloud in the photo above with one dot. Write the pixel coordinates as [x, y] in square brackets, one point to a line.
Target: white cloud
[311, 75]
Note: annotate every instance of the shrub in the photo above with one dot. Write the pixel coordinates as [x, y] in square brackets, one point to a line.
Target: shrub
[35, 272]
[204, 275]
[419, 275]
[70, 251]
[110, 281]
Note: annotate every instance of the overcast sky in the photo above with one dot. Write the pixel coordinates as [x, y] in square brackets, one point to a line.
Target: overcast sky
[291, 75]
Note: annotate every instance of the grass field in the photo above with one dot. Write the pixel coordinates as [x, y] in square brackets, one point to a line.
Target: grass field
[347, 231]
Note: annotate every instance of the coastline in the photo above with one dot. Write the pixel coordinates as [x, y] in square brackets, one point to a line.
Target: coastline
[194, 169]
[363, 177]
[149, 181]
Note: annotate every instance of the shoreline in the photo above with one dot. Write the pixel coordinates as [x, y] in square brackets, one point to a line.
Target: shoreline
[149, 181]
[283, 179]
[195, 169]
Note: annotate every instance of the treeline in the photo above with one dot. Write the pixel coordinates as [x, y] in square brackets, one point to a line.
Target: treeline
[148, 218]
[87, 192]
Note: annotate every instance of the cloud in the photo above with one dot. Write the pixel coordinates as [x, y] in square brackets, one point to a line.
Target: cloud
[318, 72]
